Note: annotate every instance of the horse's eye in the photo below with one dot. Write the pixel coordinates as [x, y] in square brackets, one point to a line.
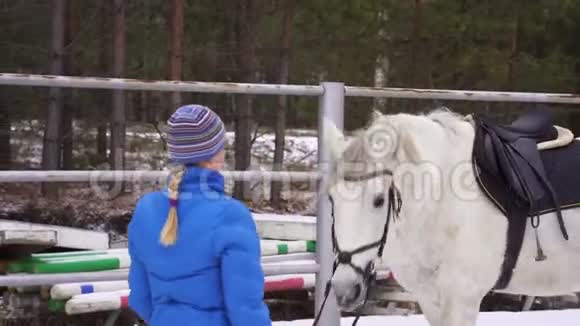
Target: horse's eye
[379, 201]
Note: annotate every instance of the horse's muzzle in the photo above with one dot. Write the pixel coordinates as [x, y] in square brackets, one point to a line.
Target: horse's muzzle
[350, 296]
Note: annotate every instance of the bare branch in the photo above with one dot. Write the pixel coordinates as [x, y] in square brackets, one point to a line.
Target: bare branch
[156, 126]
[256, 134]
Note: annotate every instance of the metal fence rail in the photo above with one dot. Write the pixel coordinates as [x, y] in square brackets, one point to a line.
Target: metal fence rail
[157, 85]
[462, 95]
[280, 89]
[92, 176]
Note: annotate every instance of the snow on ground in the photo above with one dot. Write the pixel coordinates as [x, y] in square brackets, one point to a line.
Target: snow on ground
[145, 151]
[145, 147]
[531, 318]
[300, 150]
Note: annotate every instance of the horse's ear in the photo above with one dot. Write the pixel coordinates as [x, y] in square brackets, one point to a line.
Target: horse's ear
[376, 114]
[408, 148]
[333, 139]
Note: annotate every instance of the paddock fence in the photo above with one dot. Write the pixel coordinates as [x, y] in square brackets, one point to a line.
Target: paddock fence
[331, 106]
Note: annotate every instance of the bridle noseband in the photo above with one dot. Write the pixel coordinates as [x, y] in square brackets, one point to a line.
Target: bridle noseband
[367, 273]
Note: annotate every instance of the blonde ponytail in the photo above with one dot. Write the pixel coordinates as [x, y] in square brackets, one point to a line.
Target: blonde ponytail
[169, 232]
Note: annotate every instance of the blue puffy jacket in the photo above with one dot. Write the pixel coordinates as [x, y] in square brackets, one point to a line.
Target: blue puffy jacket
[212, 276]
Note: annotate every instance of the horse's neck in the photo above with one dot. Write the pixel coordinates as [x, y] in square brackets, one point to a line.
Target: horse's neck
[423, 237]
[447, 165]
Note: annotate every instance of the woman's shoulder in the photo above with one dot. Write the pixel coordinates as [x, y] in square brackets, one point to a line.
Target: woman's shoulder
[236, 227]
[148, 203]
[236, 209]
[149, 199]
[233, 212]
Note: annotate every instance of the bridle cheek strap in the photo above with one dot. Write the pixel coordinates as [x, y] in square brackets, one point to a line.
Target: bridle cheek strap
[345, 257]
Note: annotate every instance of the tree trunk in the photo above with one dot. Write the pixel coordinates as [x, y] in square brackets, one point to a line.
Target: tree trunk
[118, 115]
[246, 61]
[51, 141]
[513, 53]
[415, 54]
[382, 64]
[416, 49]
[212, 58]
[288, 15]
[102, 140]
[68, 114]
[146, 110]
[67, 136]
[103, 102]
[5, 149]
[175, 24]
[509, 108]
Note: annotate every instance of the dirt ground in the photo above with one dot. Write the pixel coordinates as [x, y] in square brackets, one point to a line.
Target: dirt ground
[86, 207]
[81, 206]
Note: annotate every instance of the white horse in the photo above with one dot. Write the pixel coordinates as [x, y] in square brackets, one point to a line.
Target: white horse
[447, 244]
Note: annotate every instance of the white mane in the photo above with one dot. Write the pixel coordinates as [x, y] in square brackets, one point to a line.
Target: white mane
[395, 131]
[449, 119]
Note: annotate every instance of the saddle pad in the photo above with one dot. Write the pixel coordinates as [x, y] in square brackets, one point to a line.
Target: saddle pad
[562, 166]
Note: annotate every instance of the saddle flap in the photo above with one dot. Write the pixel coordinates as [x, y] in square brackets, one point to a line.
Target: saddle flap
[511, 153]
[525, 156]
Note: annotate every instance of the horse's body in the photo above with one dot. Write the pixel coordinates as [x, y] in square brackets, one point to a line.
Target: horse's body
[448, 243]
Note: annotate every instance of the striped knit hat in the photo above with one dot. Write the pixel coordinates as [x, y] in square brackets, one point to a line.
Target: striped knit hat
[195, 134]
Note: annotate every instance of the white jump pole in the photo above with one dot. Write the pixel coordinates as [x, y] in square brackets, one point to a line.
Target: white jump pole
[17, 280]
[331, 106]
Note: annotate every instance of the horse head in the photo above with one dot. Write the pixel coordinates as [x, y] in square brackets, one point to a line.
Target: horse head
[364, 190]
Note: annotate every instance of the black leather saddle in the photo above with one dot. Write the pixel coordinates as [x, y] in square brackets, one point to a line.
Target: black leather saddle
[510, 170]
[536, 124]
[510, 152]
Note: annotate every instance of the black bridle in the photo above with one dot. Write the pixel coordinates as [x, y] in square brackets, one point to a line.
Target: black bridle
[367, 273]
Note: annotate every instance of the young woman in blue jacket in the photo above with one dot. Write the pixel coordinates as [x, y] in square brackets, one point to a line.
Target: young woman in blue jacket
[195, 252]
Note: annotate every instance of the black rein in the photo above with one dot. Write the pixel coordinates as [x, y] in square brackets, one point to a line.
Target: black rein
[345, 257]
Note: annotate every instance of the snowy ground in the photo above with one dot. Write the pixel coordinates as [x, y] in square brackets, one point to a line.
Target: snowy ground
[532, 318]
[76, 204]
[145, 151]
[145, 146]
